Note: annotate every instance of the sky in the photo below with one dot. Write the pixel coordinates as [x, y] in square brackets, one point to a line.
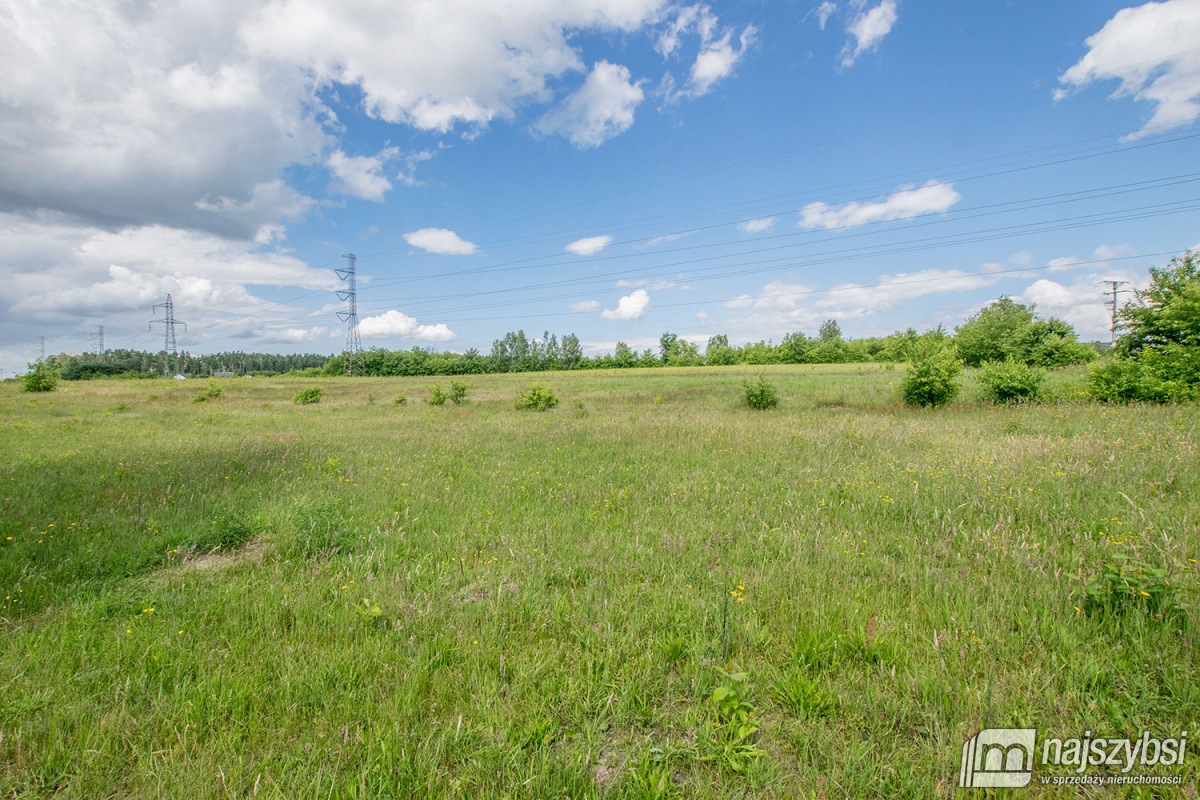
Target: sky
[610, 168]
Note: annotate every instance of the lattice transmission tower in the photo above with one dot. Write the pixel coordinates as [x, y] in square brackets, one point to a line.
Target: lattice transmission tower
[350, 317]
[168, 322]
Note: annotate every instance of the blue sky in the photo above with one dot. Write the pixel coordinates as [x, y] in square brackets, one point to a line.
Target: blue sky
[612, 168]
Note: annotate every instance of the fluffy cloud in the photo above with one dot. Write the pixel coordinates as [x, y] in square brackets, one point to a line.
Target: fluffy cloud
[718, 55]
[868, 27]
[907, 203]
[395, 323]
[361, 176]
[583, 306]
[441, 241]
[599, 110]
[123, 114]
[589, 246]
[853, 300]
[1151, 50]
[756, 225]
[438, 65]
[631, 306]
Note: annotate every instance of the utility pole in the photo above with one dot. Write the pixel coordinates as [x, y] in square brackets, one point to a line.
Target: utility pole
[169, 322]
[1112, 304]
[350, 294]
[98, 338]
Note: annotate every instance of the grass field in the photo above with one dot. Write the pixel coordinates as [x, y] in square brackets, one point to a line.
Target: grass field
[356, 599]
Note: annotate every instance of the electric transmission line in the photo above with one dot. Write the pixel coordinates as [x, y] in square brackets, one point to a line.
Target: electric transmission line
[350, 317]
[168, 322]
[98, 338]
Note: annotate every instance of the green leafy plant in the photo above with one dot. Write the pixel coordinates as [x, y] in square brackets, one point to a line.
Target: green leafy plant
[400, 400]
[458, 392]
[731, 734]
[802, 696]
[41, 377]
[1124, 584]
[650, 776]
[213, 390]
[813, 651]
[932, 377]
[1011, 381]
[760, 393]
[310, 395]
[1124, 380]
[437, 397]
[538, 396]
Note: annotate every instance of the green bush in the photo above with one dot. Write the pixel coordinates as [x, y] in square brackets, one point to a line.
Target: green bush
[400, 399]
[309, 395]
[458, 392]
[41, 377]
[1126, 379]
[760, 393]
[213, 390]
[537, 396]
[932, 377]
[437, 397]
[1011, 382]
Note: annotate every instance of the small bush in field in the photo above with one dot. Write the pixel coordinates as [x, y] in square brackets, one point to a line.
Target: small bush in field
[438, 397]
[539, 397]
[932, 377]
[41, 377]
[1011, 381]
[458, 392]
[760, 394]
[310, 395]
[400, 399]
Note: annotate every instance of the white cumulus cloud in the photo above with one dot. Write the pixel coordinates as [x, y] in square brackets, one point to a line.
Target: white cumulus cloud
[631, 306]
[395, 323]
[588, 246]
[906, 203]
[599, 110]
[361, 176]
[756, 225]
[441, 241]
[1151, 49]
[868, 27]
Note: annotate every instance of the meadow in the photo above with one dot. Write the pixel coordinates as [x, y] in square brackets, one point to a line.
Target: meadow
[647, 591]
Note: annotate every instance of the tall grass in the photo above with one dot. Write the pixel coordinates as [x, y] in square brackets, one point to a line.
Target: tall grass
[356, 600]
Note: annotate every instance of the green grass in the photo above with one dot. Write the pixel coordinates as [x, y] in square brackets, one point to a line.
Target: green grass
[360, 600]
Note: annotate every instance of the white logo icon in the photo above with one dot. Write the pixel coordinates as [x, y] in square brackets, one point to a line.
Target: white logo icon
[998, 757]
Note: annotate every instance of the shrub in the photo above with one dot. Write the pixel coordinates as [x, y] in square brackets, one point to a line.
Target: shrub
[538, 396]
[309, 395]
[213, 389]
[760, 394]
[1126, 379]
[1011, 382]
[41, 377]
[1123, 584]
[932, 377]
[400, 399]
[437, 397]
[458, 392]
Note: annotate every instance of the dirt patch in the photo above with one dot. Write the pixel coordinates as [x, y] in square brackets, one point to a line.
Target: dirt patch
[222, 559]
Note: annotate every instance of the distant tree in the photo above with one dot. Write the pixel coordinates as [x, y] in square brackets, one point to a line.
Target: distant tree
[991, 334]
[624, 356]
[572, 352]
[795, 348]
[720, 340]
[666, 345]
[830, 331]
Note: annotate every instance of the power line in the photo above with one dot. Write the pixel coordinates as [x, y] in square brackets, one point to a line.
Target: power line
[169, 322]
[350, 294]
